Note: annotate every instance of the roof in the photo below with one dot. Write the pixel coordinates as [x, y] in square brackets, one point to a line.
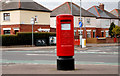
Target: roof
[23, 5]
[66, 9]
[101, 13]
[116, 12]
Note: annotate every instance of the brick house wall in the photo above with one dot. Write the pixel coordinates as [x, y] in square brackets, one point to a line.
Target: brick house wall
[23, 28]
[28, 28]
[99, 33]
[9, 26]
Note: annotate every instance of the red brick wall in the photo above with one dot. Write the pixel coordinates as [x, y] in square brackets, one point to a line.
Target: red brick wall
[101, 40]
[99, 33]
[85, 32]
[9, 26]
[24, 28]
[28, 28]
[52, 29]
[111, 40]
[107, 40]
[91, 40]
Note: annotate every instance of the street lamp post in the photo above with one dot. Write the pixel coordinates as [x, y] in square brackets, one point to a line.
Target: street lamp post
[80, 27]
[32, 22]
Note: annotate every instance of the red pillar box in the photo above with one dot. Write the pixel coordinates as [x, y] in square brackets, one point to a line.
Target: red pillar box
[65, 42]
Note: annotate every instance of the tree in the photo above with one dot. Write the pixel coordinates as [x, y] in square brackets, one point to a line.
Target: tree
[116, 31]
[110, 29]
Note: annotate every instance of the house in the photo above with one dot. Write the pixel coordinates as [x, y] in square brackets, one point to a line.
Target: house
[116, 12]
[88, 19]
[16, 17]
[103, 20]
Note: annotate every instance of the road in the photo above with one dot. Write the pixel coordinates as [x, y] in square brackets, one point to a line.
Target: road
[94, 55]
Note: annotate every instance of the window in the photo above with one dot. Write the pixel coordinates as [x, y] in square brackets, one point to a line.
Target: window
[6, 32]
[80, 31]
[88, 34]
[93, 34]
[102, 34]
[55, 22]
[79, 20]
[107, 33]
[16, 31]
[36, 19]
[74, 32]
[6, 16]
[88, 21]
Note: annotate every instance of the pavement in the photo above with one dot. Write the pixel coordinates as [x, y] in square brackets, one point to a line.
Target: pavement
[30, 48]
[52, 69]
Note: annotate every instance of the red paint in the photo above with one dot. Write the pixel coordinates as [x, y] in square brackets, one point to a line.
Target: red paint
[65, 38]
[115, 40]
[77, 42]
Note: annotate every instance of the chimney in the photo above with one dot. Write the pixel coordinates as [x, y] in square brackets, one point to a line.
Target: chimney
[101, 6]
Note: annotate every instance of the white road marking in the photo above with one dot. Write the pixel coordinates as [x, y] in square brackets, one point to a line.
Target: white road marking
[94, 50]
[32, 51]
[41, 54]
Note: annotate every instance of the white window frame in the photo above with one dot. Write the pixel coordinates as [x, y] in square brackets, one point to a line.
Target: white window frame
[107, 33]
[5, 17]
[88, 21]
[36, 19]
[80, 31]
[89, 32]
[79, 20]
[75, 32]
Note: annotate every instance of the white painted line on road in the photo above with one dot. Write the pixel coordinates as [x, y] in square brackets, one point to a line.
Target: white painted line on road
[32, 51]
[94, 50]
[87, 52]
[41, 54]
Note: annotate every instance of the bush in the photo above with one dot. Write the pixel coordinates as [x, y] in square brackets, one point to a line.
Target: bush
[8, 40]
[24, 38]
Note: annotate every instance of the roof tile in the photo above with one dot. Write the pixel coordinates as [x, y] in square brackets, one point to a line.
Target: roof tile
[25, 5]
[65, 9]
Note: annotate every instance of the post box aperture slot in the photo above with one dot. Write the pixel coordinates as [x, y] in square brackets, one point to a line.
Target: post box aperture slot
[65, 21]
[66, 26]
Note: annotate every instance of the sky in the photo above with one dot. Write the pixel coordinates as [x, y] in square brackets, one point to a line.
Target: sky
[86, 4]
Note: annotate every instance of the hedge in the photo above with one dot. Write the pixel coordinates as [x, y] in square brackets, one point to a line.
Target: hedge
[24, 38]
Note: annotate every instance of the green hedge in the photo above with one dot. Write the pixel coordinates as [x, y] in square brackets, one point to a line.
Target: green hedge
[24, 38]
[8, 40]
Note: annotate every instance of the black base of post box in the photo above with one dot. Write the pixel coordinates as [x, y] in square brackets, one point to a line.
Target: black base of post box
[65, 63]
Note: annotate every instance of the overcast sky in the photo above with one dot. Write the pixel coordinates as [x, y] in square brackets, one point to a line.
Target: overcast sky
[109, 4]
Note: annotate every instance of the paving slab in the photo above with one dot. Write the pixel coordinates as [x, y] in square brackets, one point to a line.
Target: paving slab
[51, 69]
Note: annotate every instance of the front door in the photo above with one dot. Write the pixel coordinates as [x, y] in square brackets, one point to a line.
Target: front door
[102, 34]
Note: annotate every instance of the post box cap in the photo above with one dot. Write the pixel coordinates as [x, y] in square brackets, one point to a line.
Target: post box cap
[64, 15]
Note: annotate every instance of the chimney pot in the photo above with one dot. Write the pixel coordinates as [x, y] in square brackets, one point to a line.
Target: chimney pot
[101, 6]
